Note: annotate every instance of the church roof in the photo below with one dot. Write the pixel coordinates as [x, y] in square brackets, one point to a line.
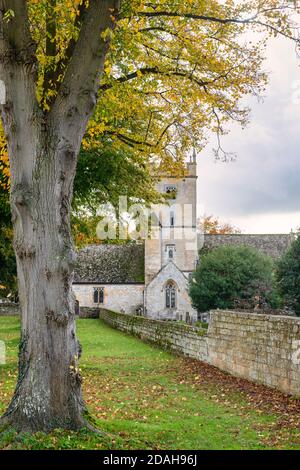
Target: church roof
[110, 264]
[124, 264]
[273, 245]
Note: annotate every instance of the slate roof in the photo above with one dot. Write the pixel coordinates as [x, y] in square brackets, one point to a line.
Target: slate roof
[110, 264]
[273, 245]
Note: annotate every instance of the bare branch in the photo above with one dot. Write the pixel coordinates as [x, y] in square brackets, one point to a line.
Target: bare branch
[254, 19]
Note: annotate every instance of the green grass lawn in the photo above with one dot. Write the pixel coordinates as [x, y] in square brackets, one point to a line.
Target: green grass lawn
[138, 397]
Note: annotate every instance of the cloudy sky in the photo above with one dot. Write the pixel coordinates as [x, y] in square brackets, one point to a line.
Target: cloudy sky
[260, 191]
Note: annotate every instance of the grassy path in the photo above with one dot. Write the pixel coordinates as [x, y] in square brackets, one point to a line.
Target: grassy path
[147, 399]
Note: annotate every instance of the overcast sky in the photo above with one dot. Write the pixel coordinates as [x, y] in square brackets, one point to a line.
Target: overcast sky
[260, 191]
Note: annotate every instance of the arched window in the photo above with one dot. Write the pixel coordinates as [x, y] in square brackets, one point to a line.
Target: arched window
[170, 295]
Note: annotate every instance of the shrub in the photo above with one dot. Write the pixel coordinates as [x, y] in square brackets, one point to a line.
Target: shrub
[288, 276]
[227, 275]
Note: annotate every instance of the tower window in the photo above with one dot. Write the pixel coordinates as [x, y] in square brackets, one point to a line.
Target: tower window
[170, 249]
[170, 296]
[172, 219]
[171, 190]
[98, 295]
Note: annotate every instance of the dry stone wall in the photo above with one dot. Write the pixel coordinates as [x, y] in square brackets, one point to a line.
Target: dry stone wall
[262, 348]
[9, 309]
[172, 336]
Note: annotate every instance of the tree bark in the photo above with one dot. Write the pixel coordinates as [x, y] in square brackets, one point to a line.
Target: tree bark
[48, 393]
[43, 149]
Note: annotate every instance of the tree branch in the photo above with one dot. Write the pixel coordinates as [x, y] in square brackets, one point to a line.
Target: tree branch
[250, 20]
[156, 71]
[18, 64]
[50, 75]
[61, 66]
[131, 142]
[16, 44]
[77, 95]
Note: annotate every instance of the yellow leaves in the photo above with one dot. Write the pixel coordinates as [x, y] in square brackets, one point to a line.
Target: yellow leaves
[182, 70]
[107, 34]
[4, 162]
[8, 16]
[107, 67]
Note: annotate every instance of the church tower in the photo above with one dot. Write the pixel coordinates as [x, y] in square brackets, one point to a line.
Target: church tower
[174, 238]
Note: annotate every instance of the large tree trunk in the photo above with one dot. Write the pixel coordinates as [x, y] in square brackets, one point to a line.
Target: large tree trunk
[43, 148]
[48, 393]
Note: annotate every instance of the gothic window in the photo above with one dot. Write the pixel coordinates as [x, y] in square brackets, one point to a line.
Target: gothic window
[170, 296]
[98, 295]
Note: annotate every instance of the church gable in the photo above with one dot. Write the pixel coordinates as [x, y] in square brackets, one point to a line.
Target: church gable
[167, 295]
[169, 272]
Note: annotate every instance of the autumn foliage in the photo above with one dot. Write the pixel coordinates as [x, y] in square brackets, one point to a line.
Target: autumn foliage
[213, 226]
[174, 70]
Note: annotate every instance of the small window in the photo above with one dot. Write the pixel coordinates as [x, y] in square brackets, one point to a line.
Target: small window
[172, 219]
[170, 249]
[98, 295]
[171, 189]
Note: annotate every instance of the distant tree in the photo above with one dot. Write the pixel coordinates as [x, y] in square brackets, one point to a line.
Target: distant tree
[288, 276]
[213, 226]
[103, 175]
[227, 274]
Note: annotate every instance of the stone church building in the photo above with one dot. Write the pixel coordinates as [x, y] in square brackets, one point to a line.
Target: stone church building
[151, 278]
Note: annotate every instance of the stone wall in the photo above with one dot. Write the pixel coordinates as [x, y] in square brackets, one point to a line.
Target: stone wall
[9, 309]
[262, 348]
[87, 312]
[172, 336]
